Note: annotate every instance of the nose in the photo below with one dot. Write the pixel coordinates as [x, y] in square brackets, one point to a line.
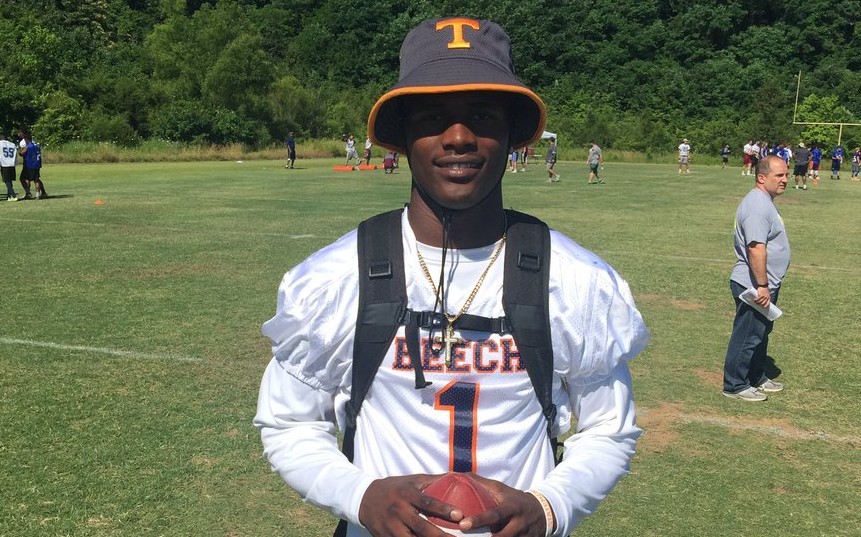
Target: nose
[459, 137]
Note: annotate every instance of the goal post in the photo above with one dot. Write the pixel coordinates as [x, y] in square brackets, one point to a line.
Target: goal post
[839, 124]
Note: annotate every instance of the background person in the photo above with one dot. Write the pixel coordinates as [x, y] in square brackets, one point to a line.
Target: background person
[836, 161]
[367, 156]
[815, 163]
[350, 149]
[746, 158]
[291, 151]
[550, 162]
[684, 157]
[725, 152]
[31, 170]
[594, 159]
[8, 161]
[389, 162]
[512, 158]
[856, 163]
[802, 161]
[453, 230]
[762, 250]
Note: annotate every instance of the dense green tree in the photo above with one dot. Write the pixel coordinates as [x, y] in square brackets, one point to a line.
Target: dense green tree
[630, 74]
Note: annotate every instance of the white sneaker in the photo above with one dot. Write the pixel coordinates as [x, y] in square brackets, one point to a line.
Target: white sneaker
[748, 394]
[770, 386]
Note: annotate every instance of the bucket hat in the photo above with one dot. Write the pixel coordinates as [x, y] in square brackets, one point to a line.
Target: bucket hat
[455, 55]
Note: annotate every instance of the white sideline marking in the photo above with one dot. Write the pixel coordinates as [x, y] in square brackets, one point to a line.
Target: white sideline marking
[102, 350]
[771, 429]
[726, 260]
[170, 229]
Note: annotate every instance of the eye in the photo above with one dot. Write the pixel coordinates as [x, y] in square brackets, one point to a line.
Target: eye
[485, 115]
[428, 116]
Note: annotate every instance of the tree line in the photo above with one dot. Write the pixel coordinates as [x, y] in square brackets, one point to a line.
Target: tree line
[630, 74]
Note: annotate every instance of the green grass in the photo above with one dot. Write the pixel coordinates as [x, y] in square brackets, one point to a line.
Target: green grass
[177, 265]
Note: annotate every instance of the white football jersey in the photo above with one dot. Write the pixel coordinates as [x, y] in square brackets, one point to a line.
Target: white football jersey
[8, 154]
[481, 413]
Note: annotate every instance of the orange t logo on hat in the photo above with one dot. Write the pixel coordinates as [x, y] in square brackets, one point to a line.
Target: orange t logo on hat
[457, 28]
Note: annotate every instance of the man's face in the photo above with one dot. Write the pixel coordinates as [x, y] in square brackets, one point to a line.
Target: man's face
[457, 144]
[774, 182]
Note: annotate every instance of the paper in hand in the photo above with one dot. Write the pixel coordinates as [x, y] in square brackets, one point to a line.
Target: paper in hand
[772, 312]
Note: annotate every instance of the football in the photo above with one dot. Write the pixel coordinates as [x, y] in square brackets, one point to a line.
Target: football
[465, 493]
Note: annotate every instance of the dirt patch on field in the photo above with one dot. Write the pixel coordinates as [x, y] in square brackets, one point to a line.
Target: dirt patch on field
[657, 424]
[684, 305]
[660, 424]
[711, 378]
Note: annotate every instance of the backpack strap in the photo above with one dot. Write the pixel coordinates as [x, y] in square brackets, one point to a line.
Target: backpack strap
[525, 299]
[382, 307]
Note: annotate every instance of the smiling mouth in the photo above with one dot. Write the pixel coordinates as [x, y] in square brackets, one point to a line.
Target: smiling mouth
[460, 165]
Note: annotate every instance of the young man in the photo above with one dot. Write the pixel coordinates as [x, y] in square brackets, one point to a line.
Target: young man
[724, 155]
[856, 163]
[31, 171]
[455, 111]
[594, 159]
[350, 149]
[8, 160]
[762, 250]
[291, 151]
[836, 161]
[684, 157]
[746, 158]
[367, 155]
[550, 162]
[757, 152]
[802, 160]
[815, 163]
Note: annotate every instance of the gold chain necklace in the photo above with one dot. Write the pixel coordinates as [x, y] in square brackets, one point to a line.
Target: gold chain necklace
[449, 339]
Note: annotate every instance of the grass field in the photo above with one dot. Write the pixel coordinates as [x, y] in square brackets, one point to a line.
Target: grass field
[130, 350]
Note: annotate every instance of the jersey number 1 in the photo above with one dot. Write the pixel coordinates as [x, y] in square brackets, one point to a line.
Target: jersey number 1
[460, 400]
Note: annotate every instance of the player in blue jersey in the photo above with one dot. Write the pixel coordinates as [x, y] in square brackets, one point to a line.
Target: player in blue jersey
[836, 161]
[815, 162]
[31, 173]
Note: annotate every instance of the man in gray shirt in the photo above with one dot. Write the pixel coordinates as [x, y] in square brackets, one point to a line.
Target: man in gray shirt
[802, 160]
[594, 160]
[762, 249]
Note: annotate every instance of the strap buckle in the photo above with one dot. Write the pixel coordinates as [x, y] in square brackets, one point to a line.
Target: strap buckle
[527, 261]
[380, 269]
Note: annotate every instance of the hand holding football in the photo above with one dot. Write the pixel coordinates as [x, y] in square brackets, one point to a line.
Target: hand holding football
[464, 493]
